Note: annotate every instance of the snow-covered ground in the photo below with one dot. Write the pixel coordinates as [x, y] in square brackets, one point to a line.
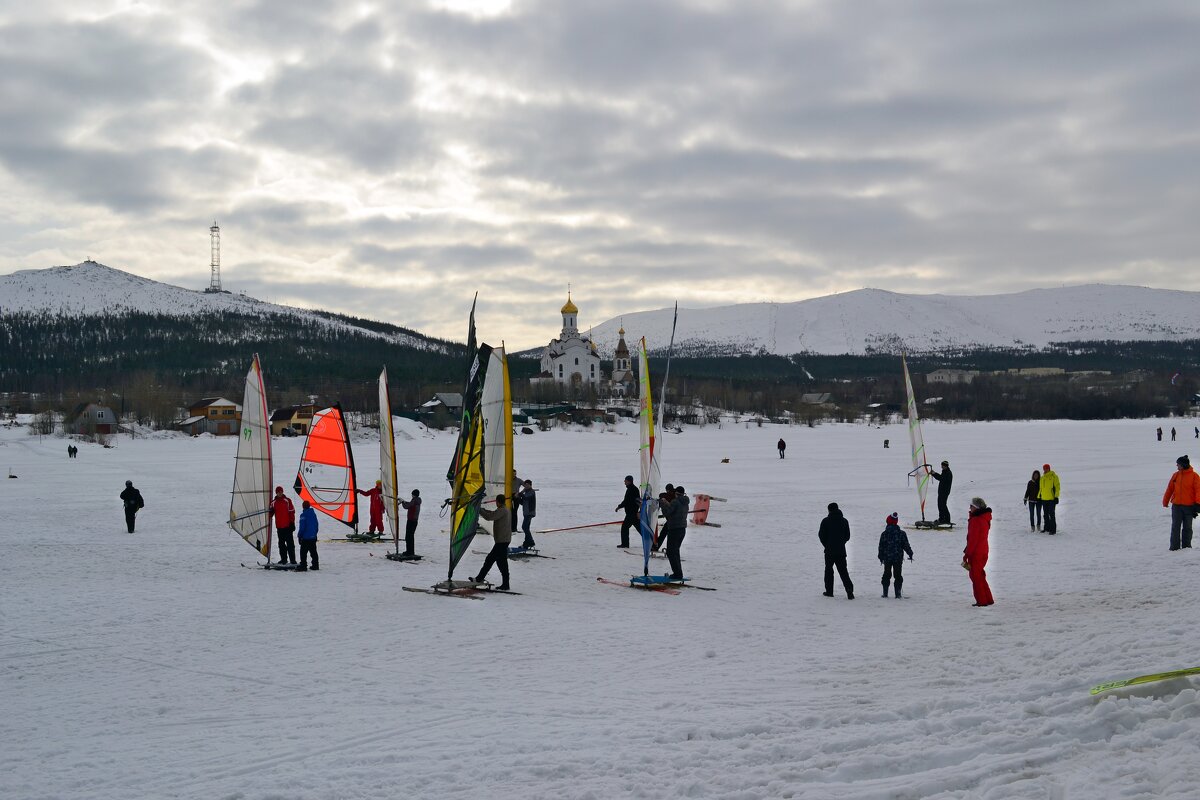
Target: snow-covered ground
[153, 665]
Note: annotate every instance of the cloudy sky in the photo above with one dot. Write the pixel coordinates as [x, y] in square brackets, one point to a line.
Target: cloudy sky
[389, 159]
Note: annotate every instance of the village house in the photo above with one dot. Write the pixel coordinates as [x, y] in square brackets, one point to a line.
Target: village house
[215, 415]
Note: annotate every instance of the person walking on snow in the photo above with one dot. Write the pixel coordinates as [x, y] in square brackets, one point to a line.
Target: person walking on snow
[834, 534]
[945, 479]
[1048, 493]
[284, 514]
[410, 525]
[501, 537]
[308, 537]
[975, 556]
[132, 499]
[1031, 499]
[528, 502]
[1172, 434]
[376, 495]
[782, 446]
[675, 519]
[1183, 493]
[1160, 434]
[632, 504]
[893, 544]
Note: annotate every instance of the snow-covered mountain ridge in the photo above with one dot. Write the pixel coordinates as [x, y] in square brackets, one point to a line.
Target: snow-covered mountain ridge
[873, 320]
[93, 289]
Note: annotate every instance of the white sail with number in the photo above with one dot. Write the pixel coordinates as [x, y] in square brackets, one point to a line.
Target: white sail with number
[250, 508]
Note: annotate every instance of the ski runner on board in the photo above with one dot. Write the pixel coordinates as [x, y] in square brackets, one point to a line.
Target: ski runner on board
[675, 515]
[133, 501]
[284, 514]
[376, 495]
[893, 544]
[501, 537]
[834, 534]
[410, 524]
[945, 480]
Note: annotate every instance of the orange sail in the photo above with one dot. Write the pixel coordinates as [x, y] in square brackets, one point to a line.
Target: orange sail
[326, 476]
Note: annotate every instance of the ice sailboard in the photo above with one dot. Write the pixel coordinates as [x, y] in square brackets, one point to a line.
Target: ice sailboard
[326, 474]
[250, 507]
[920, 464]
[650, 444]
[387, 468]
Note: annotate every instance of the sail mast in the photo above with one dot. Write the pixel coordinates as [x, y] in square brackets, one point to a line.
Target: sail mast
[921, 468]
[250, 506]
[387, 459]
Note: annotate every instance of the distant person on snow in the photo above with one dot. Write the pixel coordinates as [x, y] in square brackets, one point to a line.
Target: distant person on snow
[945, 480]
[834, 534]
[893, 544]
[782, 446]
[132, 499]
[410, 525]
[528, 502]
[1048, 493]
[501, 538]
[975, 556]
[285, 525]
[1031, 499]
[675, 513]
[517, 483]
[632, 505]
[308, 537]
[1160, 434]
[1197, 433]
[1172, 434]
[376, 495]
[1183, 493]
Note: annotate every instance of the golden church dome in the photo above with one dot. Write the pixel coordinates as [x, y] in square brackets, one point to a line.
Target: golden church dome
[569, 308]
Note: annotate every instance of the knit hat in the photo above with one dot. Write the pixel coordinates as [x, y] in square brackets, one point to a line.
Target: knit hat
[1045, 467]
[1183, 461]
[893, 518]
[278, 490]
[833, 506]
[977, 502]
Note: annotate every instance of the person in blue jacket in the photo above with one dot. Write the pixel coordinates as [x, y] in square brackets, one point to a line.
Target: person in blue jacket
[893, 544]
[307, 534]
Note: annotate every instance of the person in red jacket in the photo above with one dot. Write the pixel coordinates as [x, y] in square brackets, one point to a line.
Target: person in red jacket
[1183, 493]
[975, 556]
[285, 525]
[376, 495]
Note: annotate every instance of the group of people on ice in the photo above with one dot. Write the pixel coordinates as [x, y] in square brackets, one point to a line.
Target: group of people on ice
[1041, 496]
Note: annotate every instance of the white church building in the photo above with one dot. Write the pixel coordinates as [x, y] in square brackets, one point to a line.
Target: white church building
[571, 360]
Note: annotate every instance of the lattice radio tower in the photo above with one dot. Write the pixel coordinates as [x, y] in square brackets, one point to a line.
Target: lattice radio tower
[214, 235]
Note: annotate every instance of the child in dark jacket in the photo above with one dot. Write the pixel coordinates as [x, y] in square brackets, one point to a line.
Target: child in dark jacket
[307, 534]
[893, 544]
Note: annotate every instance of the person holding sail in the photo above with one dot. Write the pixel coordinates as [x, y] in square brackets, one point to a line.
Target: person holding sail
[501, 520]
[284, 514]
[675, 517]
[632, 505]
[945, 479]
[376, 495]
[410, 526]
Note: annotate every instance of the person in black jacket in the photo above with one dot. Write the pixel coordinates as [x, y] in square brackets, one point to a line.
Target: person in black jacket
[835, 532]
[132, 499]
[675, 506]
[632, 504]
[527, 500]
[944, 478]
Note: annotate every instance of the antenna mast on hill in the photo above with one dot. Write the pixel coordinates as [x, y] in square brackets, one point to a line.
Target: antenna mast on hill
[214, 235]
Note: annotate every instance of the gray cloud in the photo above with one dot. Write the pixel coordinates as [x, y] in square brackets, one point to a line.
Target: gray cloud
[389, 162]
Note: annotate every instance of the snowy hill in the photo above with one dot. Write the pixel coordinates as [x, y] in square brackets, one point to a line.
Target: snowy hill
[872, 320]
[92, 289]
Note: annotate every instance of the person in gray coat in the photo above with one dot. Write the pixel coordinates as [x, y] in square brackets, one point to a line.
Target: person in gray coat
[501, 520]
[675, 517]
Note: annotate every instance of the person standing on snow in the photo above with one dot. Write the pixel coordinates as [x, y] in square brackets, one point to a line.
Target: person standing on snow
[1031, 499]
[1183, 493]
[632, 504]
[308, 537]
[782, 446]
[528, 502]
[893, 544]
[284, 514]
[1172, 434]
[132, 499]
[834, 534]
[376, 495]
[975, 556]
[501, 537]
[1048, 493]
[945, 480]
[675, 519]
[1159, 434]
[410, 525]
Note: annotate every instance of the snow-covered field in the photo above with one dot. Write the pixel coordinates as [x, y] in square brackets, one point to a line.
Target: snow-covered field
[153, 665]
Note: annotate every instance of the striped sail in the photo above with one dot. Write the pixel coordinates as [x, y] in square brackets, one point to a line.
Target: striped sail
[648, 518]
[387, 459]
[326, 475]
[250, 508]
[467, 472]
[921, 468]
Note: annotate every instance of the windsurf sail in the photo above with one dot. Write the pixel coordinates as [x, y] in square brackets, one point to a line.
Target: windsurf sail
[469, 486]
[496, 405]
[326, 475]
[648, 517]
[387, 460]
[250, 509]
[921, 468]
